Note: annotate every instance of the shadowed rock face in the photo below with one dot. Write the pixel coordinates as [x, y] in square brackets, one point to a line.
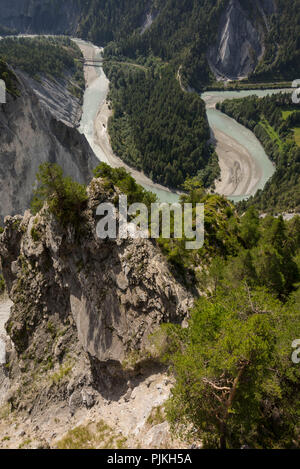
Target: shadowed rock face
[116, 291]
[240, 43]
[40, 16]
[30, 135]
[83, 309]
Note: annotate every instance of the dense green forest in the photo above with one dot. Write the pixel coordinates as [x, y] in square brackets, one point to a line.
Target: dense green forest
[235, 381]
[158, 128]
[103, 21]
[275, 122]
[281, 59]
[180, 34]
[50, 57]
[235, 378]
[183, 31]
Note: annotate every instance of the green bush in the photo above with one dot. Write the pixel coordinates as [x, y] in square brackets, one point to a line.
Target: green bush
[127, 185]
[2, 284]
[66, 199]
[235, 380]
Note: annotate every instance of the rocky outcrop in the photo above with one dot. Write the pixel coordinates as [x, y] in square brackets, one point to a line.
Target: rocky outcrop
[82, 306]
[157, 436]
[56, 96]
[149, 20]
[240, 43]
[30, 135]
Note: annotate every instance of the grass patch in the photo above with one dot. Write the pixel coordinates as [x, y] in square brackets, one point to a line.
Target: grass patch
[64, 371]
[2, 284]
[92, 436]
[156, 416]
[297, 135]
[78, 438]
[5, 411]
[25, 443]
[271, 132]
[287, 111]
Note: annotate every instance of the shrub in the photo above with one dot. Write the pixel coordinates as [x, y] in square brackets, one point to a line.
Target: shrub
[2, 284]
[66, 199]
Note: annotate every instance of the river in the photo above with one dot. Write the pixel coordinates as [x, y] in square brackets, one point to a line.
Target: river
[245, 167]
[94, 122]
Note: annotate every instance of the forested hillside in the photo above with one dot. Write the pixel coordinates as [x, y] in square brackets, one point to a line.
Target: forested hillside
[179, 31]
[103, 21]
[275, 121]
[182, 32]
[49, 57]
[158, 128]
[282, 55]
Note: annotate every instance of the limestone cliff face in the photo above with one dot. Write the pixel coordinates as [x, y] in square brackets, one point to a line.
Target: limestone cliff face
[240, 43]
[40, 16]
[31, 134]
[81, 300]
[54, 94]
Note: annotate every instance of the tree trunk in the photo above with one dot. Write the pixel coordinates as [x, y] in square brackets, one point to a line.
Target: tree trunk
[223, 444]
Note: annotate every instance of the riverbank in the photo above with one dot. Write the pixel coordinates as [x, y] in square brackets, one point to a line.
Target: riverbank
[95, 125]
[245, 166]
[102, 139]
[240, 173]
[247, 86]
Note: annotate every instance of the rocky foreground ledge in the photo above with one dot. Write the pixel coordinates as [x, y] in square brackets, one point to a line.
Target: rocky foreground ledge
[83, 310]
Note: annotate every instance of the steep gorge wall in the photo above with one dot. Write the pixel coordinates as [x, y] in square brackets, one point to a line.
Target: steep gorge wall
[29, 136]
[240, 43]
[236, 53]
